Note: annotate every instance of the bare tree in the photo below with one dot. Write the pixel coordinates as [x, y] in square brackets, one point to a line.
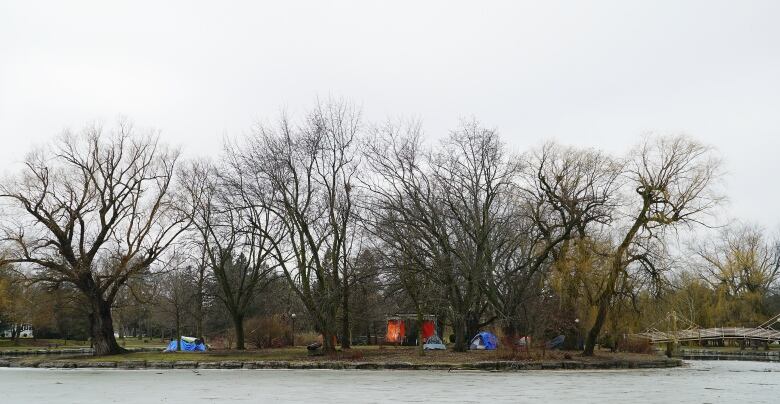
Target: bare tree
[93, 211]
[672, 179]
[304, 177]
[200, 272]
[443, 211]
[232, 236]
[477, 179]
[408, 213]
[176, 293]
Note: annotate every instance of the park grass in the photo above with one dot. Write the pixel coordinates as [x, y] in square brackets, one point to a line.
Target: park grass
[59, 344]
[366, 354]
[282, 354]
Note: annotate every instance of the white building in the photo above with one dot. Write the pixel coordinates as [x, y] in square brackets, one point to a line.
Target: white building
[6, 331]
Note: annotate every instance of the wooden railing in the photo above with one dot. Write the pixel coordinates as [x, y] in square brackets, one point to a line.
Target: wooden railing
[761, 334]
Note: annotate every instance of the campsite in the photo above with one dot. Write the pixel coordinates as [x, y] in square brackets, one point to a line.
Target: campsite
[389, 201]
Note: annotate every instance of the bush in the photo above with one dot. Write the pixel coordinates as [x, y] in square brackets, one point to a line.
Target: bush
[224, 340]
[307, 338]
[515, 347]
[635, 345]
[267, 332]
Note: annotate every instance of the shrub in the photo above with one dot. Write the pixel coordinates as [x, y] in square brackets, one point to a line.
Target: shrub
[267, 332]
[514, 347]
[306, 338]
[635, 345]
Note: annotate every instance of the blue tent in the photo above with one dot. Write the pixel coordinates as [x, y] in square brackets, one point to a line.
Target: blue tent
[187, 344]
[484, 340]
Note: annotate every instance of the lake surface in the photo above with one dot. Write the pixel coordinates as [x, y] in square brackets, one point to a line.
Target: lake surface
[699, 382]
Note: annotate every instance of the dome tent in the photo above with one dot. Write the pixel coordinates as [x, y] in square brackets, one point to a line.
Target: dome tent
[434, 343]
[484, 341]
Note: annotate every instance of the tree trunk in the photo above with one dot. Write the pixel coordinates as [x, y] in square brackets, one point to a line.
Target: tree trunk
[346, 338]
[199, 305]
[199, 317]
[330, 329]
[328, 344]
[102, 330]
[472, 325]
[442, 321]
[178, 331]
[420, 342]
[606, 296]
[593, 334]
[121, 327]
[460, 335]
[238, 324]
[16, 330]
[512, 334]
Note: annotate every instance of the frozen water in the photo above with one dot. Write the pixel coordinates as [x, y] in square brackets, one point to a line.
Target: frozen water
[700, 382]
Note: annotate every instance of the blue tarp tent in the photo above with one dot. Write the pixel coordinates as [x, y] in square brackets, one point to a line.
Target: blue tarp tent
[556, 343]
[187, 344]
[484, 340]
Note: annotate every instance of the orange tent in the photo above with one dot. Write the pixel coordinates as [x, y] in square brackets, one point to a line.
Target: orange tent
[395, 331]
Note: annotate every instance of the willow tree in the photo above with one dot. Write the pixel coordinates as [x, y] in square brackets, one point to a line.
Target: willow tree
[6, 297]
[671, 184]
[93, 211]
[563, 193]
[15, 304]
[741, 265]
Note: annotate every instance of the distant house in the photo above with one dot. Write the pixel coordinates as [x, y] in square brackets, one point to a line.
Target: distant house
[6, 331]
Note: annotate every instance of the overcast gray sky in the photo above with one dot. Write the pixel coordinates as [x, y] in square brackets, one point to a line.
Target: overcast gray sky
[595, 73]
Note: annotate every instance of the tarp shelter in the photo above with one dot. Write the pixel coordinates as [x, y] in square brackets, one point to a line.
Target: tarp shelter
[404, 329]
[484, 341]
[428, 329]
[556, 343]
[395, 331]
[190, 344]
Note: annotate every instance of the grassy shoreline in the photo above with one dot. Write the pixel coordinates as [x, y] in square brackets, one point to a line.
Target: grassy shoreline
[356, 358]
